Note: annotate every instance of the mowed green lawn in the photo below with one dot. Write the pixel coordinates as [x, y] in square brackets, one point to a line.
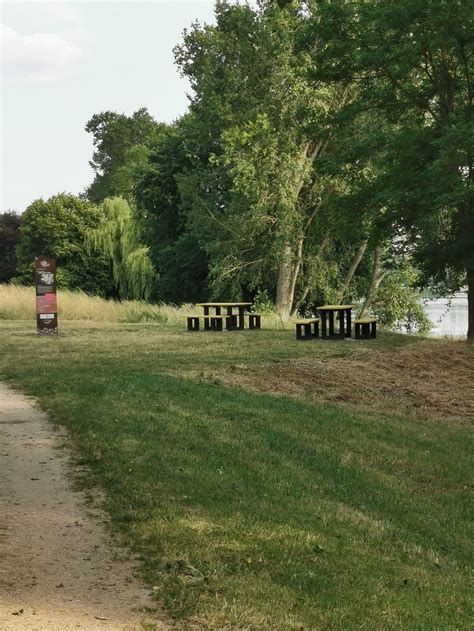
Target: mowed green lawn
[253, 511]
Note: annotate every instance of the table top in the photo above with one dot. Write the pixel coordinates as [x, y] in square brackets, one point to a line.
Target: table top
[335, 307]
[223, 304]
[307, 320]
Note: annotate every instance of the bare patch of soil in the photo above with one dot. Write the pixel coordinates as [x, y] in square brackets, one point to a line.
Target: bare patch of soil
[59, 569]
[429, 379]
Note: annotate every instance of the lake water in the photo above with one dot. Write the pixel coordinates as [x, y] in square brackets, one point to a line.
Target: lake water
[449, 316]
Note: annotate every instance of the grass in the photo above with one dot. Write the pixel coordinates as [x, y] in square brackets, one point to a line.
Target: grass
[18, 303]
[252, 511]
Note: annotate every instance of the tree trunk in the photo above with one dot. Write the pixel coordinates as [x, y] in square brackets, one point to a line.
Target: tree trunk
[377, 277]
[291, 259]
[285, 287]
[325, 242]
[470, 302]
[296, 268]
[466, 222]
[351, 271]
[300, 301]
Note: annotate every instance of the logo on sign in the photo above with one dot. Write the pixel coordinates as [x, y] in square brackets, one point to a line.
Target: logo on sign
[47, 278]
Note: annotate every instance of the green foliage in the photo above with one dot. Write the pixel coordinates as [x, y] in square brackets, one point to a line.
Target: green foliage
[183, 271]
[164, 212]
[398, 303]
[412, 62]
[9, 237]
[58, 227]
[289, 175]
[262, 303]
[260, 190]
[121, 148]
[118, 238]
[314, 128]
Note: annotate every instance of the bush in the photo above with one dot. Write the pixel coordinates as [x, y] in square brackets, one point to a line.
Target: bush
[398, 304]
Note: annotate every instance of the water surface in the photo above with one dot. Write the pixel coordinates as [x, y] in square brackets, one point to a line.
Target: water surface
[448, 315]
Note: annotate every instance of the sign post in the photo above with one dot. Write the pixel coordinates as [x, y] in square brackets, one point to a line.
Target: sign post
[46, 302]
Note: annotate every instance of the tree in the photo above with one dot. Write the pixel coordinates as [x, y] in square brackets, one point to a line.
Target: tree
[179, 151]
[398, 304]
[413, 61]
[117, 237]
[263, 188]
[9, 237]
[58, 227]
[121, 147]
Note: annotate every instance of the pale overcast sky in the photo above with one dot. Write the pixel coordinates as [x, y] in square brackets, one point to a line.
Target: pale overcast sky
[64, 61]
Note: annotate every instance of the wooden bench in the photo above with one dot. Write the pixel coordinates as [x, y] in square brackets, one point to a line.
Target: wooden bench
[193, 322]
[255, 320]
[365, 328]
[307, 329]
[211, 322]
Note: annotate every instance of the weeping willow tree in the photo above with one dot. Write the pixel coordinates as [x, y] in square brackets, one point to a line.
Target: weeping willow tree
[118, 238]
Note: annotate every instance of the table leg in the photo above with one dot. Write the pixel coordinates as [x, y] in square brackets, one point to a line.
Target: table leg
[339, 315]
[331, 323]
[231, 319]
[241, 318]
[324, 330]
[207, 321]
[348, 323]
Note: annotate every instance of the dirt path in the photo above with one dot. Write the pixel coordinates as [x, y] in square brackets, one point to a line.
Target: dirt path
[58, 567]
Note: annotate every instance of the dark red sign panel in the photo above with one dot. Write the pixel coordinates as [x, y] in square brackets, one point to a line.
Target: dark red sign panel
[46, 303]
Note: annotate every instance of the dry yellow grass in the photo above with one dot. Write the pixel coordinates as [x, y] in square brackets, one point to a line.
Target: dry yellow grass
[18, 303]
[430, 379]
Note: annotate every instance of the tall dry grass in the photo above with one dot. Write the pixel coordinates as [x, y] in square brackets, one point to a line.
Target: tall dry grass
[18, 303]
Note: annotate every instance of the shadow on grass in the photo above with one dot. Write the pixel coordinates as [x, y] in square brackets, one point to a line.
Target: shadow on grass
[291, 510]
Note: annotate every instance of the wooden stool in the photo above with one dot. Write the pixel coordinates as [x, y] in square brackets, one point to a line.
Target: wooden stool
[214, 322]
[254, 320]
[193, 323]
[307, 329]
[365, 328]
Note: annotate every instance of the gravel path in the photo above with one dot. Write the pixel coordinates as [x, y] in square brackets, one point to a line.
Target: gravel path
[59, 569]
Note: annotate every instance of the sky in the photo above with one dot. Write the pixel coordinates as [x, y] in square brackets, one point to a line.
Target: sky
[64, 61]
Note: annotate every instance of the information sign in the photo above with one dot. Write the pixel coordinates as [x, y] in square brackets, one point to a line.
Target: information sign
[46, 303]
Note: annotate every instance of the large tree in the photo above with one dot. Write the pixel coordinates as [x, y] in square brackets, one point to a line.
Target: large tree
[121, 145]
[58, 227]
[413, 60]
[162, 211]
[118, 238]
[264, 187]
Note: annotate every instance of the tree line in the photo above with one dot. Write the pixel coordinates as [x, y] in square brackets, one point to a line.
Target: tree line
[326, 156]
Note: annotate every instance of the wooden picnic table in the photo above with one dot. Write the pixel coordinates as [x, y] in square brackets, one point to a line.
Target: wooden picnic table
[228, 306]
[344, 313]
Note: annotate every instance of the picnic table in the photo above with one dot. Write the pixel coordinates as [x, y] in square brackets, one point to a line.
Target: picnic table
[229, 307]
[328, 315]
